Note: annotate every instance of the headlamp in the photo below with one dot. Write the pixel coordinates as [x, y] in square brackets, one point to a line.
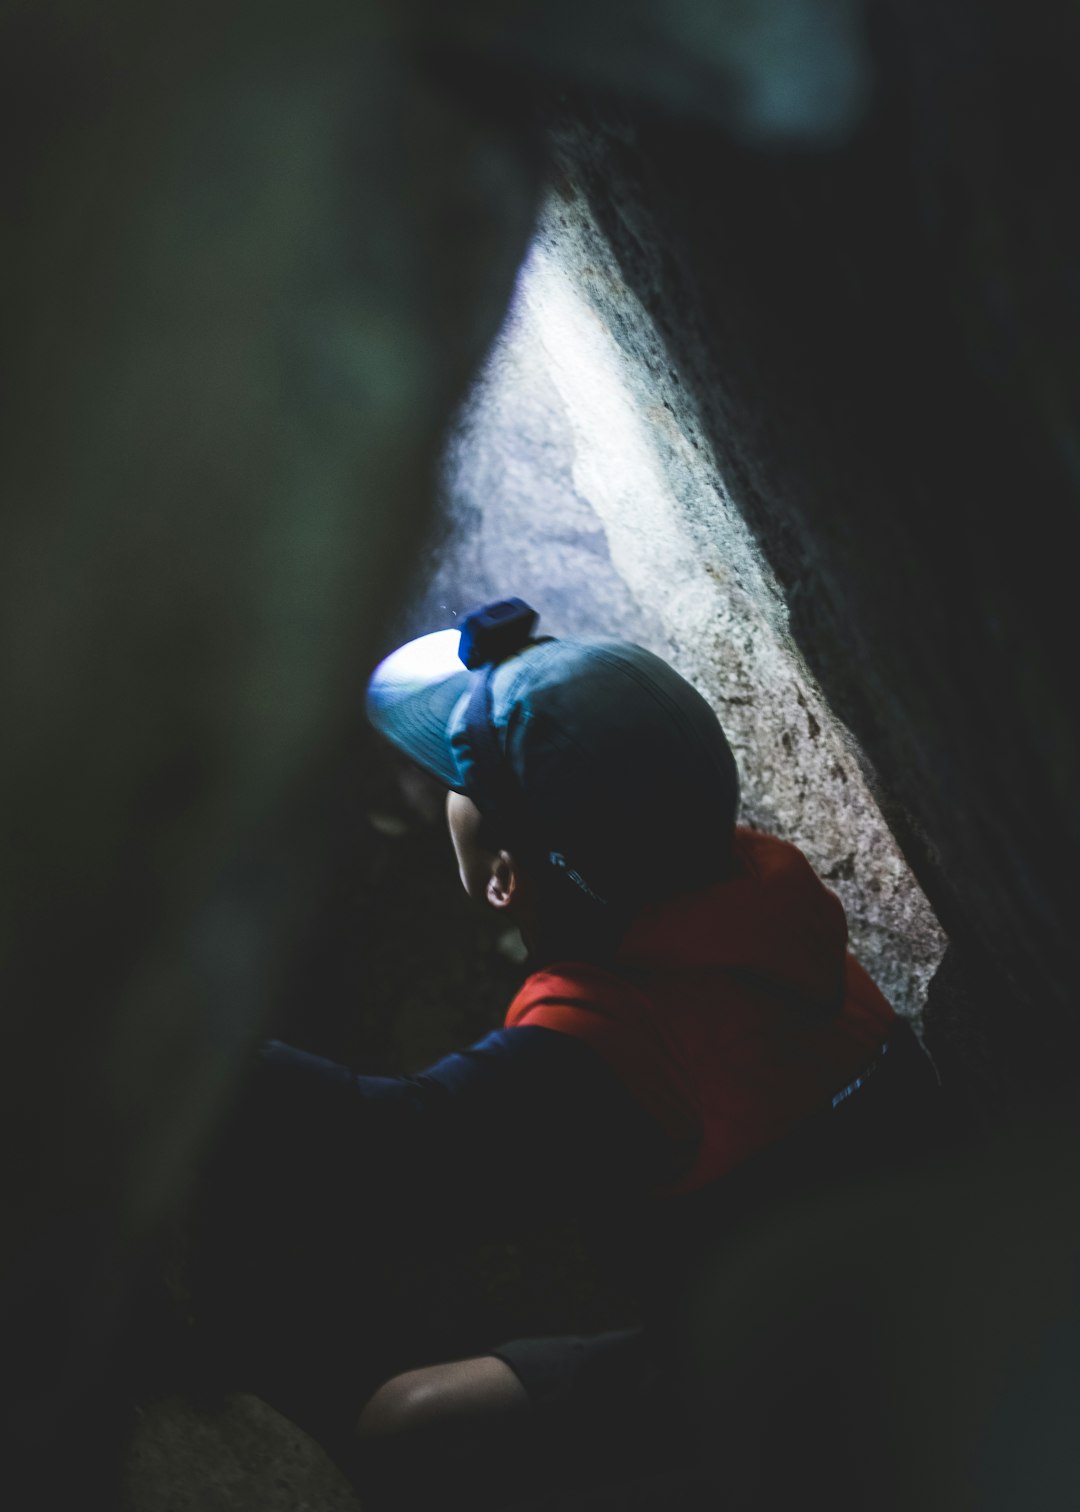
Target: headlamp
[490, 634]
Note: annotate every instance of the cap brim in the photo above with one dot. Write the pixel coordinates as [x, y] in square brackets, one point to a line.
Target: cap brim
[412, 695]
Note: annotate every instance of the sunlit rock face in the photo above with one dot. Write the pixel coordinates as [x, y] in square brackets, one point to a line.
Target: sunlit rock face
[579, 478]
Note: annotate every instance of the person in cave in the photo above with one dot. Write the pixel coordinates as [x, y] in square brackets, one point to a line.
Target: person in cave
[693, 1042]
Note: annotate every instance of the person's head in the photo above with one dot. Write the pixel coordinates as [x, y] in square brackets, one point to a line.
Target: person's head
[586, 778]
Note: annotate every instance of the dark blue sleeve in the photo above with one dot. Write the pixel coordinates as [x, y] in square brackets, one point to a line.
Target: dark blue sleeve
[524, 1124]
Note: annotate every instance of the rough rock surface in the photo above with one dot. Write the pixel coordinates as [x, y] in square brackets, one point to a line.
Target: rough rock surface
[246, 1455]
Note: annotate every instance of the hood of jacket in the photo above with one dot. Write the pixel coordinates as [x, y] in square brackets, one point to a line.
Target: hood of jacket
[774, 920]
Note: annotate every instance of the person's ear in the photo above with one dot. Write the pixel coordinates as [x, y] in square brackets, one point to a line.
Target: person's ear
[502, 883]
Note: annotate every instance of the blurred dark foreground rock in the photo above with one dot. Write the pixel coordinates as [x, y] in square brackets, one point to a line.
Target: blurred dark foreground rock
[253, 259]
[916, 1344]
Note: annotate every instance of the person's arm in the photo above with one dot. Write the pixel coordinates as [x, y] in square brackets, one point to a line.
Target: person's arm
[524, 1123]
[329, 1189]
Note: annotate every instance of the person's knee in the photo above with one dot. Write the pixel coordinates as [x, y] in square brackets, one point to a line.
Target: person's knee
[452, 1434]
[401, 1406]
[452, 1396]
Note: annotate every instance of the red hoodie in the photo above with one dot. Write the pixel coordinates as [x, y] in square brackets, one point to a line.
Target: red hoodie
[731, 1014]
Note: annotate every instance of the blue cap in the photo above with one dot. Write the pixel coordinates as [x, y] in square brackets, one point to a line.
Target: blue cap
[594, 754]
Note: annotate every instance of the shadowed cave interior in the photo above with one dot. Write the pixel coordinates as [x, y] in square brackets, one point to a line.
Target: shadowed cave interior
[748, 333]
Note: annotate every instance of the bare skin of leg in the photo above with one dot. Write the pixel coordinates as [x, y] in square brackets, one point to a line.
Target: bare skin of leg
[453, 1397]
[426, 1436]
